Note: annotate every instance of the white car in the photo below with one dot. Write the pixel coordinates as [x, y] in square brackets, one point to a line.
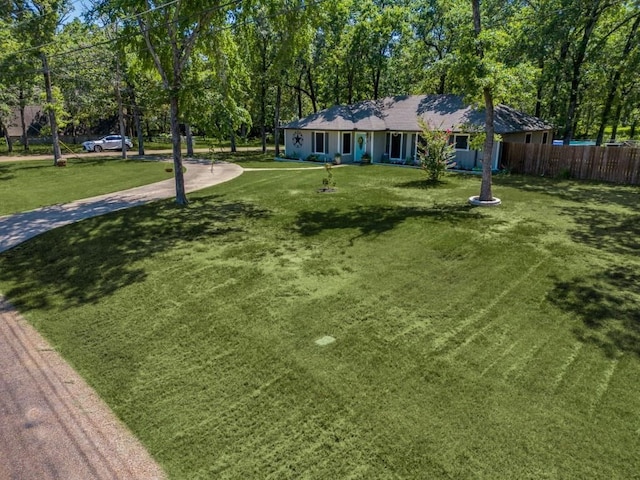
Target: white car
[110, 142]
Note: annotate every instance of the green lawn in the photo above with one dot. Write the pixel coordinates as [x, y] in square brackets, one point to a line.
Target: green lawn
[253, 159]
[470, 343]
[33, 184]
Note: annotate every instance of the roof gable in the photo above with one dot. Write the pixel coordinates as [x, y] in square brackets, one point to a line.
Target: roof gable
[400, 113]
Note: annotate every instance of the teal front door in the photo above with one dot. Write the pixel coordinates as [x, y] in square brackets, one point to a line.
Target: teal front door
[360, 145]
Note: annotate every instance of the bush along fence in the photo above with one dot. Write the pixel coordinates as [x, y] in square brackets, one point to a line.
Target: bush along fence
[609, 164]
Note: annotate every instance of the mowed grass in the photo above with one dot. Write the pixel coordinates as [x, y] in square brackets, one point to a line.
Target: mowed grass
[470, 343]
[257, 159]
[28, 185]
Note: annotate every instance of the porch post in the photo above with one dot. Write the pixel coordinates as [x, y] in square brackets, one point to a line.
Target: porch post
[372, 141]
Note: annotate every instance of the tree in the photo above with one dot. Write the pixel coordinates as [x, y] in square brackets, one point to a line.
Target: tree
[37, 24]
[487, 151]
[169, 32]
[435, 152]
[625, 60]
[85, 76]
[274, 33]
[17, 78]
[216, 88]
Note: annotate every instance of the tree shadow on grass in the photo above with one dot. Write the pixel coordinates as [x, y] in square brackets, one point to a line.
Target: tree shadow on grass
[424, 184]
[574, 190]
[614, 232]
[608, 303]
[374, 220]
[86, 261]
[6, 172]
[12, 169]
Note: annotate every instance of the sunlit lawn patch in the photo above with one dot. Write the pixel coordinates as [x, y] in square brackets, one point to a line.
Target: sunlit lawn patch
[28, 185]
[469, 343]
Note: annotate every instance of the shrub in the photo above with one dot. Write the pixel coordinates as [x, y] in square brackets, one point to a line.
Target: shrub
[564, 174]
[435, 153]
[328, 182]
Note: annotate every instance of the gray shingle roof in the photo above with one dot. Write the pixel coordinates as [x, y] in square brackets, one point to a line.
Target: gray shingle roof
[446, 112]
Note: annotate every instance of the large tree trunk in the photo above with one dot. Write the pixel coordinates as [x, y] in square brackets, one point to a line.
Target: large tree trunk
[615, 81]
[263, 116]
[553, 107]
[276, 120]
[608, 105]
[123, 131]
[233, 141]
[376, 83]
[616, 121]
[576, 76]
[5, 133]
[299, 95]
[57, 155]
[181, 197]
[312, 91]
[485, 186]
[23, 124]
[538, 108]
[263, 96]
[442, 83]
[189, 135]
[137, 121]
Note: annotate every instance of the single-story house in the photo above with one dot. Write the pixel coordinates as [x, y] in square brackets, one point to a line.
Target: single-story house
[387, 129]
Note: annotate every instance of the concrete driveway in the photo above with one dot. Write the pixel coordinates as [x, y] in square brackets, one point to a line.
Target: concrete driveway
[53, 426]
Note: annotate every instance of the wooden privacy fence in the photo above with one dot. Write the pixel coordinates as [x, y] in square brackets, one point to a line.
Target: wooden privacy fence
[609, 164]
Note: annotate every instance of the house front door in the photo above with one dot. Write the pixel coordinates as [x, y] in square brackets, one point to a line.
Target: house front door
[360, 145]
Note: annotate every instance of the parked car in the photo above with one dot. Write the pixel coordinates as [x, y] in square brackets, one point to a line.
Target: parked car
[110, 142]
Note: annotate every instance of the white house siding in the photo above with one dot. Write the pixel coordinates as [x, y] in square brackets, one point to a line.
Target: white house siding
[292, 150]
[376, 146]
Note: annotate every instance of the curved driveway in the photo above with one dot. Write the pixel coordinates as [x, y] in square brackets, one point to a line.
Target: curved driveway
[52, 424]
[15, 229]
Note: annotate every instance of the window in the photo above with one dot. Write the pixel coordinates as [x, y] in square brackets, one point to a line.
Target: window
[527, 138]
[460, 142]
[319, 139]
[394, 145]
[545, 138]
[346, 143]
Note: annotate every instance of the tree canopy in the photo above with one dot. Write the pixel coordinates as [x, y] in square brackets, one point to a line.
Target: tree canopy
[227, 68]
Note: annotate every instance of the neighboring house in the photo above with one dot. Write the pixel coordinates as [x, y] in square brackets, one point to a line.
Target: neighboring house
[388, 131]
[34, 119]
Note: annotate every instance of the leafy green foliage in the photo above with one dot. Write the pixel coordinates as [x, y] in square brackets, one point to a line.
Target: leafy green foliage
[435, 153]
[328, 181]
